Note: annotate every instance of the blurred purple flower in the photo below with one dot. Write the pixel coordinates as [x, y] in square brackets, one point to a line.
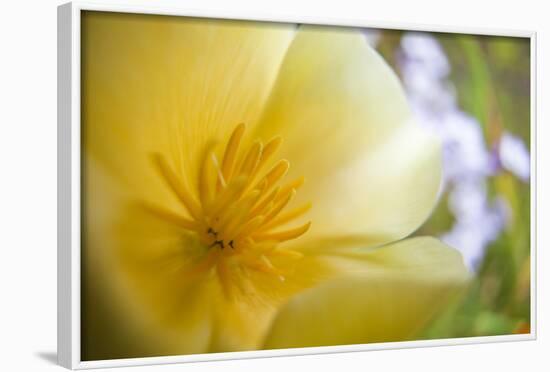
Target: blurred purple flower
[465, 155]
[478, 222]
[466, 161]
[514, 156]
[424, 53]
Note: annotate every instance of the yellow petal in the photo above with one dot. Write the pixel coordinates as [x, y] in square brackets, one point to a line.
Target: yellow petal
[387, 194]
[170, 85]
[345, 123]
[150, 289]
[124, 247]
[389, 294]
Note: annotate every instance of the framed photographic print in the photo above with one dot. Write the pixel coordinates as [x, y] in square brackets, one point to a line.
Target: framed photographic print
[240, 186]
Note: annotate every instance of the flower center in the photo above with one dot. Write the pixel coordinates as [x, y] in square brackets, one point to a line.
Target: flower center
[241, 208]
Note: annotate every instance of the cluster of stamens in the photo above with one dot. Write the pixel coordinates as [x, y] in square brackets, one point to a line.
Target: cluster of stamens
[240, 209]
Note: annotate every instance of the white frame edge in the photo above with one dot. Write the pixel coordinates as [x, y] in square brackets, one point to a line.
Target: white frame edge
[67, 294]
[68, 197]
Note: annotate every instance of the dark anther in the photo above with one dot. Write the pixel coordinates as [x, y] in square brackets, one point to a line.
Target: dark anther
[211, 231]
[218, 242]
[231, 244]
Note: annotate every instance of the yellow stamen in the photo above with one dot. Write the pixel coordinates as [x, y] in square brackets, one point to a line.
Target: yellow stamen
[227, 197]
[170, 216]
[231, 151]
[240, 214]
[203, 265]
[296, 184]
[177, 186]
[286, 217]
[276, 173]
[205, 190]
[221, 178]
[237, 210]
[265, 265]
[252, 158]
[287, 253]
[262, 205]
[283, 235]
[250, 226]
[279, 206]
[270, 148]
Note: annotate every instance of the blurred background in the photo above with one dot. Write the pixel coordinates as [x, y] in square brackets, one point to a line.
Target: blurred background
[474, 93]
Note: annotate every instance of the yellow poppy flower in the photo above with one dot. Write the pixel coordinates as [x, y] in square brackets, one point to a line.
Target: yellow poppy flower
[247, 185]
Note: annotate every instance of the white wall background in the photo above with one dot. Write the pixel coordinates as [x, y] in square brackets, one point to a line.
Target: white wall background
[28, 183]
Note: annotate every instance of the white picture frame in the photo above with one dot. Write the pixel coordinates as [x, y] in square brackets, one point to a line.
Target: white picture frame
[69, 198]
